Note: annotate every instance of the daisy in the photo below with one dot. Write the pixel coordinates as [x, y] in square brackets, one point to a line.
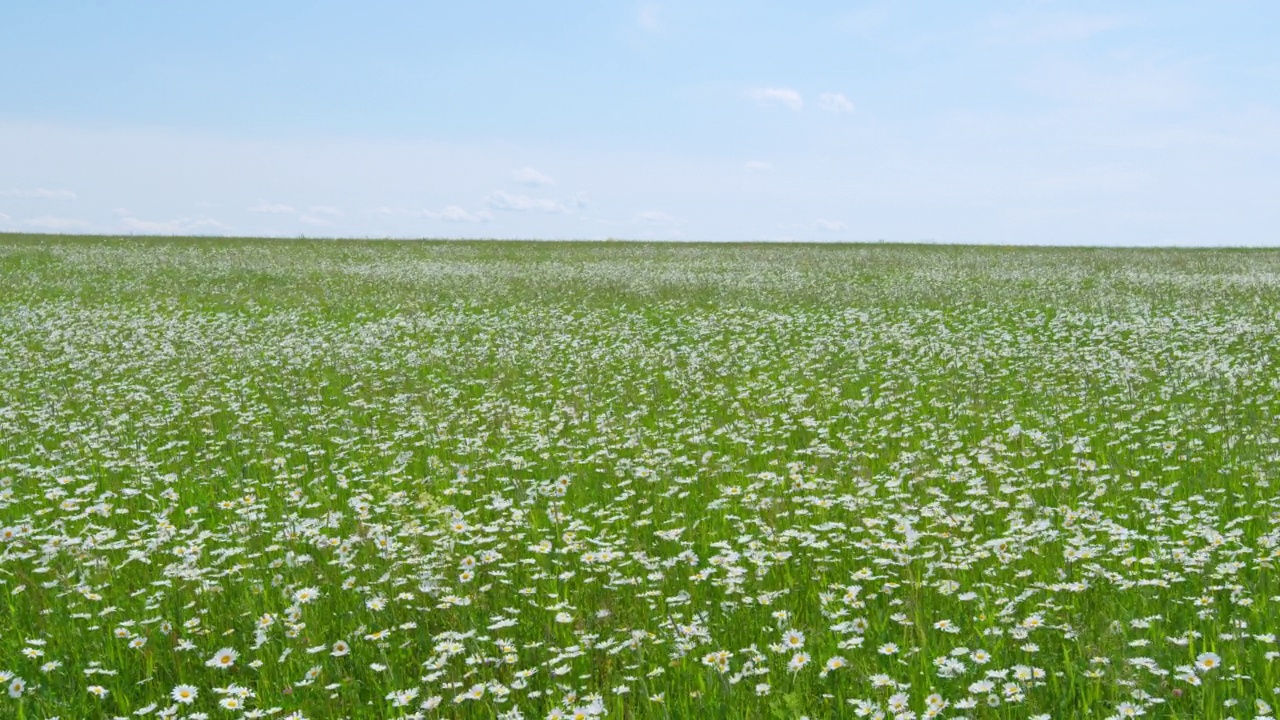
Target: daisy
[1128, 709]
[401, 698]
[793, 639]
[834, 663]
[185, 694]
[1207, 661]
[224, 658]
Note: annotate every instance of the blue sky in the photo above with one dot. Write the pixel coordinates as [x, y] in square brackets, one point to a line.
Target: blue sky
[1007, 122]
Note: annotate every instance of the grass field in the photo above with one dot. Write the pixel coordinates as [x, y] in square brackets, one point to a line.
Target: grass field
[321, 479]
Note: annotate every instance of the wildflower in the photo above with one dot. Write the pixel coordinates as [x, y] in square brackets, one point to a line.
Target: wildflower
[793, 639]
[98, 691]
[798, 661]
[224, 658]
[401, 698]
[185, 694]
[1207, 661]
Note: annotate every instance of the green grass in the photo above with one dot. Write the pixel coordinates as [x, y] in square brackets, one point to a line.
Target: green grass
[566, 475]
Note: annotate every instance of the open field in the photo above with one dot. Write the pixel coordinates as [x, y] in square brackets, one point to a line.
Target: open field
[379, 479]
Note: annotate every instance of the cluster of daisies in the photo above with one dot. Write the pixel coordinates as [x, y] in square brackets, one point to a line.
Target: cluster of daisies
[246, 480]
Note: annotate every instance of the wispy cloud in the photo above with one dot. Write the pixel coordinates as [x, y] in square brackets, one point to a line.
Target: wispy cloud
[835, 102]
[38, 194]
[654, 217]
[179, 226]
[533, 178]
[453, 213]
[50, 222]
[757, 165]
[319, 215]
[499, 200]
[777, 95]
[450, 213]
[828, 225]
[272, 209]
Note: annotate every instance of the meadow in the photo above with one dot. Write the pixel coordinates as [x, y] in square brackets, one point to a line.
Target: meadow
[345, 479]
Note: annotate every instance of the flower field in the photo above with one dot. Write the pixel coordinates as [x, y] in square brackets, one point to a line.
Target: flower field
[323, 479]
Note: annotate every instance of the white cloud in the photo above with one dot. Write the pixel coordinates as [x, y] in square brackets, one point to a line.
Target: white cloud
[318, 215]
[533, 178]
[49, 222]
[38, 194]
[835, 102]
[757, 165]
[783, 95]
[180, 226]
[272, 209]
[500, 200]
[654, 217]
[453, 213]
[830, 225]
[5, 219]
